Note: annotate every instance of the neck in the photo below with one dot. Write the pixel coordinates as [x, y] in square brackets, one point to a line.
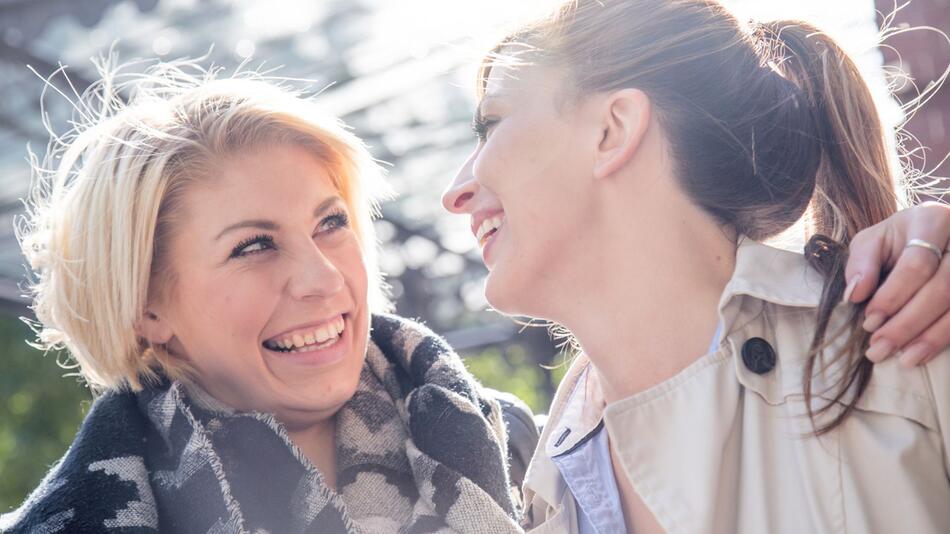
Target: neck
[317, 442]
[649, 306]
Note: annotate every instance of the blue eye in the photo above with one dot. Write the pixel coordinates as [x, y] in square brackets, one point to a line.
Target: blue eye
[335, 221]
[254, 245]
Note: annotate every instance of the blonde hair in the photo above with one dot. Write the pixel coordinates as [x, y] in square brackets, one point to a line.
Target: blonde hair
[108, 193]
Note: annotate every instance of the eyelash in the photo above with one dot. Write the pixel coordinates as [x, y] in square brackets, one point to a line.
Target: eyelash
[263, 239]
[481, 125]
[339, 218]
[331, 223]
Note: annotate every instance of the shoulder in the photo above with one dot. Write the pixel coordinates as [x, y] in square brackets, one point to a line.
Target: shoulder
[413, 347]
[523, 433]
[518, 416]
[87, 486]
[775, 295]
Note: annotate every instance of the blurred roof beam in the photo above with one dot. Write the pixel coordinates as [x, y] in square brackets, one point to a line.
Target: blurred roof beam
[368, 90]
[12, 125]
[43, 67]
[30, 17]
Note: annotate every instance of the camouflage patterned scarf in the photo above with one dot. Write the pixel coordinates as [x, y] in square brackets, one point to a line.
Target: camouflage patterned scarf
[420, 448]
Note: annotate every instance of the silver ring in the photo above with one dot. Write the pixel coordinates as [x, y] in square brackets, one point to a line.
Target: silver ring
[923, 244]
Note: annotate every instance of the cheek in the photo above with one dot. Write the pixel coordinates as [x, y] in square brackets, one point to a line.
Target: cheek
[236, 305]
[520, 160]
[346, 256]
[349, 261]
[503, 161]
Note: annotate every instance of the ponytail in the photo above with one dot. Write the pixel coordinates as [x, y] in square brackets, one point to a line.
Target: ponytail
[854, 190]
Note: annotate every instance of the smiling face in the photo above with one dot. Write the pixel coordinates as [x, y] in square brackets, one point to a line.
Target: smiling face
[269, 299]
[525, 187]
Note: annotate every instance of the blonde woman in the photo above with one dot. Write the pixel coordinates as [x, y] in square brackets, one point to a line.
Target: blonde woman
[206, 255]
[632, 157]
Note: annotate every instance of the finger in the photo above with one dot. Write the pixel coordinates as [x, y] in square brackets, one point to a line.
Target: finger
[878, 248]
[929, 345]
[925, 308]
[866, 260]
[914, 268]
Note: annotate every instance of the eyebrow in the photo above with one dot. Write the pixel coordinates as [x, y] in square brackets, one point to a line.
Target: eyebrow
[264, 224]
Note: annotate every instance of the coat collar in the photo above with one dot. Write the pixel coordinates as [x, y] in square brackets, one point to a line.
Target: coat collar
[773, 275]
[543, 477]
[581, 412]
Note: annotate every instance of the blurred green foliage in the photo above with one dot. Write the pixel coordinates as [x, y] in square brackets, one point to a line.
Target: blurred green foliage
[40, 412]
[514, 371]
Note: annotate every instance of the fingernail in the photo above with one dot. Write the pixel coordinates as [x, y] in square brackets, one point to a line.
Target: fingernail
[879, 350]
[914, 354]
[873, 321]
[850, 289]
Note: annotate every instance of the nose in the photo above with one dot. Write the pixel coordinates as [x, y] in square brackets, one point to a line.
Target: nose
[314, 275]
[460, 192]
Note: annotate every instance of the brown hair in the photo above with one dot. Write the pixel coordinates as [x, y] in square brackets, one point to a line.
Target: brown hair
[766, 123]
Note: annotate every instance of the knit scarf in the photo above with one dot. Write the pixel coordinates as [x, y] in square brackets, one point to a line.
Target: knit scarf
[420, 448]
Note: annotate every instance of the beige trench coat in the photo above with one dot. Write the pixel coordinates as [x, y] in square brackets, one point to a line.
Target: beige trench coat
[719, 448]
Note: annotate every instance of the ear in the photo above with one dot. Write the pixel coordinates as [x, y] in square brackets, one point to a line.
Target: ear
[153, 329]
[626, 117]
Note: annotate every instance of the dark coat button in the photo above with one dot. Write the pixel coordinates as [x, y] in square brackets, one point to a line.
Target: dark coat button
[758, 356]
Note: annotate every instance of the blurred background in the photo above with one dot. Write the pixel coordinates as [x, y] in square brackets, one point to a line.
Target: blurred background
[401, 74]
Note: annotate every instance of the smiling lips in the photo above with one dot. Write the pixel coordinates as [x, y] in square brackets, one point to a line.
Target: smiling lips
[308, 338]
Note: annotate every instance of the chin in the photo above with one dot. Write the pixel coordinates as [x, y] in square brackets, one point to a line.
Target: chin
[305, 411]
[508, 297]
[323, 395]
[530, 297]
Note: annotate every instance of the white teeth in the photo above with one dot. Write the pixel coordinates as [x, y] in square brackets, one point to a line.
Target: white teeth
[321, 335]
[489, 224]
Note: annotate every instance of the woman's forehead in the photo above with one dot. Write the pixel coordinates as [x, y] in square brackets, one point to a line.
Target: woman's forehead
[507, 82]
